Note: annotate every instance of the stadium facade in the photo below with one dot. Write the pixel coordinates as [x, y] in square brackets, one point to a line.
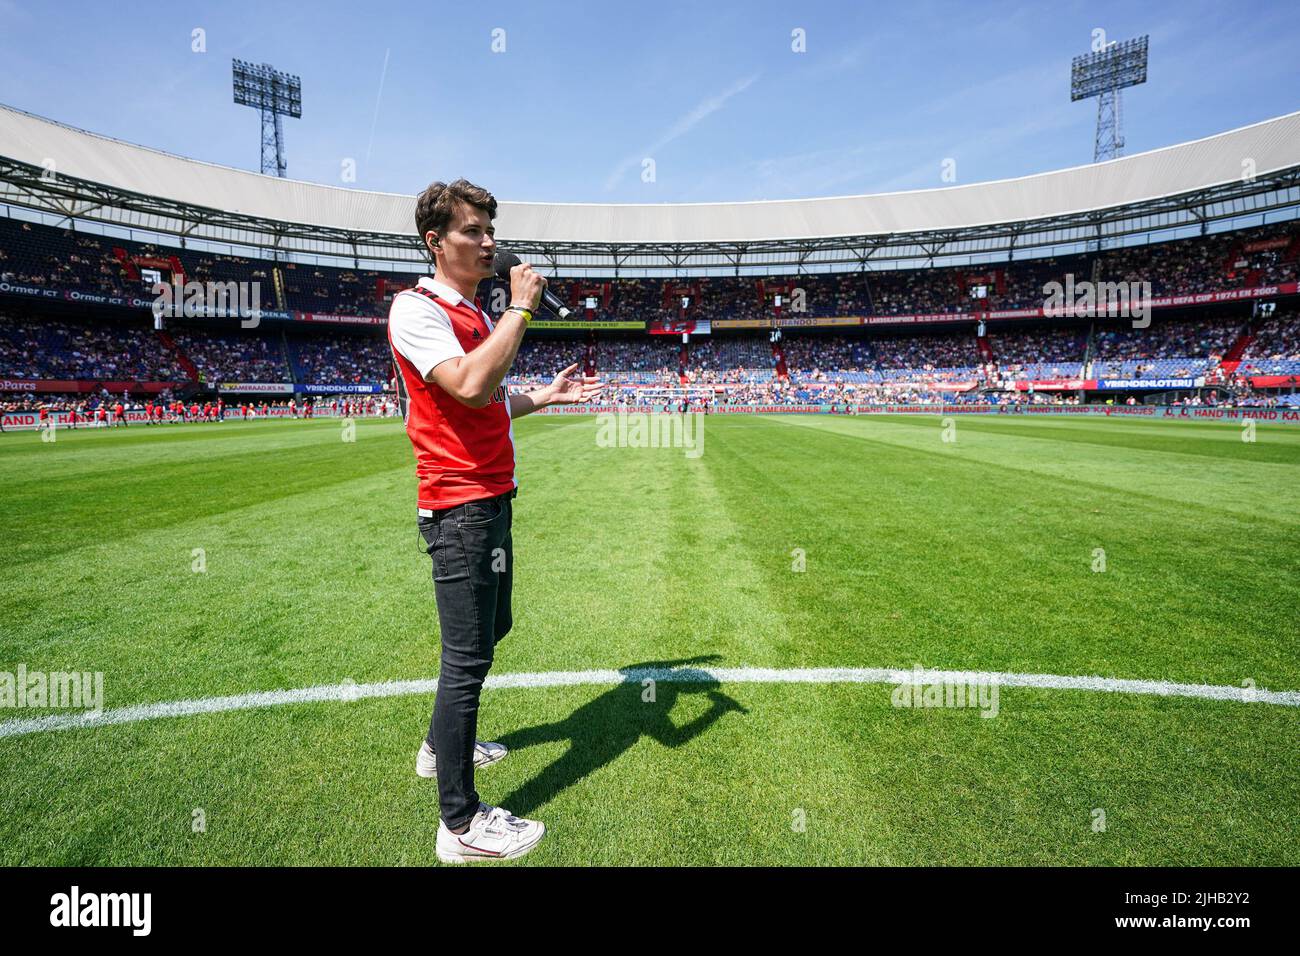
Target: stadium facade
[1244, 175]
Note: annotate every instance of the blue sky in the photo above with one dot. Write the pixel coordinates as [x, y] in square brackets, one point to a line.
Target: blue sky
[585, 91]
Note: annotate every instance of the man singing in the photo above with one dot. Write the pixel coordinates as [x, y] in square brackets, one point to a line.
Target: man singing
[452, 362]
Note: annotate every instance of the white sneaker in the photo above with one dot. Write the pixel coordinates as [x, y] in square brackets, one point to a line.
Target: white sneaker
[426, 763]
[493, 834]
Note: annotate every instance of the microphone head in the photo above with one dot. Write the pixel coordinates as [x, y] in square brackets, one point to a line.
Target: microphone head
[503, 263]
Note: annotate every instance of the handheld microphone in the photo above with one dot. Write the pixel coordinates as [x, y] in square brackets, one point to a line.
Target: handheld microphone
[502, 265]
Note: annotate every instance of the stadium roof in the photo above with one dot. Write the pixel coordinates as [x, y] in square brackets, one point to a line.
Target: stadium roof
[98, 177]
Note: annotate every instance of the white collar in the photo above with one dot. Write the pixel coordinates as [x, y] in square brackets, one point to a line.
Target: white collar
[440, 290]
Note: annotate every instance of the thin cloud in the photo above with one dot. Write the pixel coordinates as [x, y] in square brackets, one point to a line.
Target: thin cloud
[683, 126]
[383, 75]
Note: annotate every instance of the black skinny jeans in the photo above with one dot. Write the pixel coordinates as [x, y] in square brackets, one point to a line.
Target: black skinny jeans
[473, 572]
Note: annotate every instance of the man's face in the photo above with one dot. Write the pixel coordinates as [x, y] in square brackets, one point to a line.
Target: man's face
[467, 248]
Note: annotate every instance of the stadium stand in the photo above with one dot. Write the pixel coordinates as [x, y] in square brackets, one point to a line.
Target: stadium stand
[340, 359]
[894, 327]
[1275, 349]
[56, 349]
[45, 256]
[32, 348]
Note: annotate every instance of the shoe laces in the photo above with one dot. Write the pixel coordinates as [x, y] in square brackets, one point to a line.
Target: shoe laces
[500, 817]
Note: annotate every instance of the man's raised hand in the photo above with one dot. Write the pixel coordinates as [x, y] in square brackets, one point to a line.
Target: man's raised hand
[568, 388]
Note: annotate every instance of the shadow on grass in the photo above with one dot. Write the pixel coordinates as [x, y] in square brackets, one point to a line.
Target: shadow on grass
[602, 730]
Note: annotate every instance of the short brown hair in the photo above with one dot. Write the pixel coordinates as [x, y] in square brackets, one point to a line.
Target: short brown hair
[437, 205]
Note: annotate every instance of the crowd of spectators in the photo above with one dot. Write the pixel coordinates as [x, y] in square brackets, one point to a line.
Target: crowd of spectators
[1032, 345]
[56, 349]
[1037, 354]
[745, 366]
[59, 348]
[1207, 264]
[1163, 350]
[244, 356]
[1275, 349]
[928, 352]
[46, 257]
[342, 359]
[43, 255]
[912, 293]
[748, 365]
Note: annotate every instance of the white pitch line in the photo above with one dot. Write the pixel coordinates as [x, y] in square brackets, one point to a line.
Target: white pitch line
[679, 675]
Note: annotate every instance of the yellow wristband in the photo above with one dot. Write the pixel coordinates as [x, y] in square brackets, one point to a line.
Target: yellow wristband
[525, 314]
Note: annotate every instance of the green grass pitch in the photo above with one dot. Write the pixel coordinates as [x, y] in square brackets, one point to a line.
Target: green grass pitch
[973, 554]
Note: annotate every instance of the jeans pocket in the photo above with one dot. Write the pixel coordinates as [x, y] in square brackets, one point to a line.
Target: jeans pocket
[429, 530]
[480, 514]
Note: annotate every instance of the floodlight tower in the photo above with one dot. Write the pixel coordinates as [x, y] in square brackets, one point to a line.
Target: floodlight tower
[1103, 73]
[275, 94]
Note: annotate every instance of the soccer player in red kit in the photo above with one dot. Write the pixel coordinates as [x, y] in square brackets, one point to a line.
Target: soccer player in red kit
[452, 362]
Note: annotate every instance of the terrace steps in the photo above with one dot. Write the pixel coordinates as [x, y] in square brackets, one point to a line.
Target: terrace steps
[182, 359]
[1232, 358]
